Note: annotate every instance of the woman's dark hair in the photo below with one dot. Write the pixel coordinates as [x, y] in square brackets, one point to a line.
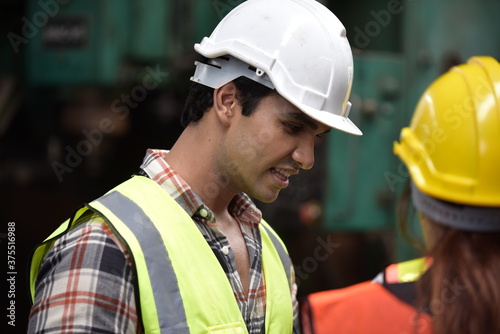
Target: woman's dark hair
[461, 289]
[200, 99]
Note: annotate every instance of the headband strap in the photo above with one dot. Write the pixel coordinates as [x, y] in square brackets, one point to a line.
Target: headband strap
[462, 217]
[219, 71]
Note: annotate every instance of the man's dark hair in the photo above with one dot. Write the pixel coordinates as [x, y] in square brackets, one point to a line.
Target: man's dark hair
[200, 99]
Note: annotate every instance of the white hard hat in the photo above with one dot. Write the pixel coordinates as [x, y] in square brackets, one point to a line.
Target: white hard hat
[298, 47]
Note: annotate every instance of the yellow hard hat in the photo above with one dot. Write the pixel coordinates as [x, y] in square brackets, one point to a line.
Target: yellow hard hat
[452, 146]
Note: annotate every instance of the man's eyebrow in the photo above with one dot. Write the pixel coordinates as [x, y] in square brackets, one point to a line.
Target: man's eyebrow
[308, 121]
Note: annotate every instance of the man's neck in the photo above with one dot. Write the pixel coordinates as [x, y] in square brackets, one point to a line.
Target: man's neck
[193, 157]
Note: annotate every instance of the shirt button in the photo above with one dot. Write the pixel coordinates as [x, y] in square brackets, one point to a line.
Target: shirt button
[225, 250]
[204, 213]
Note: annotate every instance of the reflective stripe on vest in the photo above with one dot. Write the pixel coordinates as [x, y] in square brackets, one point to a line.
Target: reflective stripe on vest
[165, 244]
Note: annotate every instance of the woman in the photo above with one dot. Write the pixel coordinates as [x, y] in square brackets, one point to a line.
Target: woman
[452, 152]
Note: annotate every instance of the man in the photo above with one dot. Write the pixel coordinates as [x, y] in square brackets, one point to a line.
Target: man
[181, 248]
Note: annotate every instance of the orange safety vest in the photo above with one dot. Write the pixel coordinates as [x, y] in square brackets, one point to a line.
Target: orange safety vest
[368, 307]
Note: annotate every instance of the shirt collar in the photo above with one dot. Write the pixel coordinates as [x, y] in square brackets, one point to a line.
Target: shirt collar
[158, 170]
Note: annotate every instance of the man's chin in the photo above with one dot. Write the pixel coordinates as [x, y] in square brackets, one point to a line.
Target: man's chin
[270, 198]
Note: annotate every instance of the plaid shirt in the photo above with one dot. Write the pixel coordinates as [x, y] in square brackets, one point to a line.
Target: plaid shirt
[85, 283]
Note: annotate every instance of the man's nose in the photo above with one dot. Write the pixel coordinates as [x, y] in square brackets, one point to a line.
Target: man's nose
[304, 154]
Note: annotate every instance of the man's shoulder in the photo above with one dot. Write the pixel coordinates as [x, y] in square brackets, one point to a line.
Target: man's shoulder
[90, 233]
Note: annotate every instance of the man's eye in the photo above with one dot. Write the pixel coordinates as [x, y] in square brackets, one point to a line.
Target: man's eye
[291, 127]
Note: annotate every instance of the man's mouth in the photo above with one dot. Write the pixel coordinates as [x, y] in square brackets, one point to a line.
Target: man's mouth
[282, 176]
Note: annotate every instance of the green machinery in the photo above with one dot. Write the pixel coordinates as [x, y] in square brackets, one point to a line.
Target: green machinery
[95, 42]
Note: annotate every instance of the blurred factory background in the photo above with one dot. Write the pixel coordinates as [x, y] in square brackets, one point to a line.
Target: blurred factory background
[86, 86]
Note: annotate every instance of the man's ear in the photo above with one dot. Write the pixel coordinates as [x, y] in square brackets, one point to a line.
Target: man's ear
[226, 102]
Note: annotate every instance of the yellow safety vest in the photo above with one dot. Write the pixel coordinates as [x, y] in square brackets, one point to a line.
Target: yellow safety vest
[182, 286]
